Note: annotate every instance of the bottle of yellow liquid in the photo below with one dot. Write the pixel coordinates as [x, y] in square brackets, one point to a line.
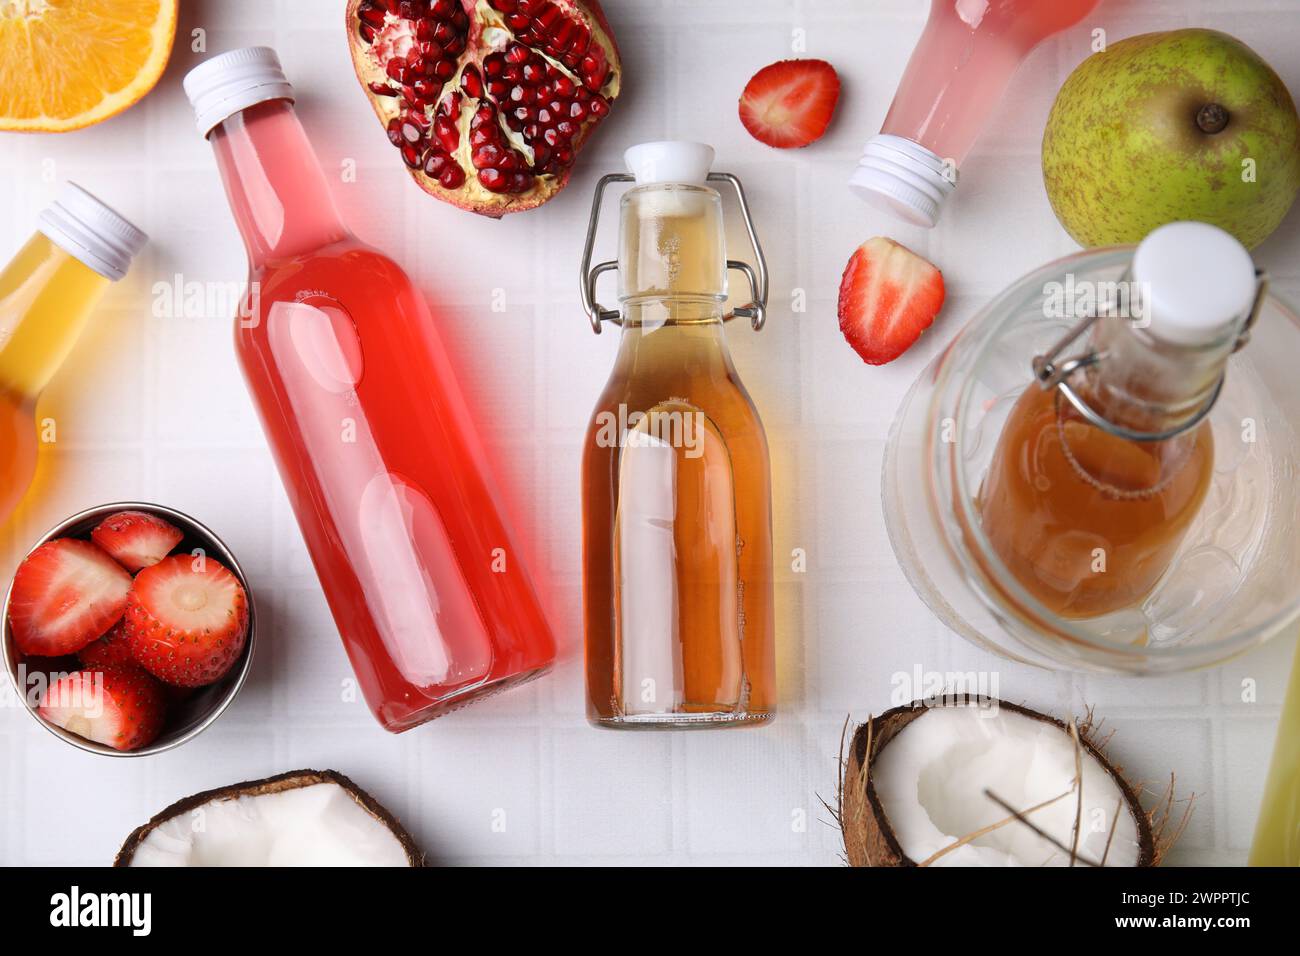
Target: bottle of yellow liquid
[1277, 831]
[677, 533]
[46, 296]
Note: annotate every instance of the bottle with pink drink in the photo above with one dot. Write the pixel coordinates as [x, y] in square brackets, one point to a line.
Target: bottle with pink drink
[964, 61]
[375, 442]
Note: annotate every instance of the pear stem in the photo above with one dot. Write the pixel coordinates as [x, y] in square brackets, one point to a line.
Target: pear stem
[1211, 118]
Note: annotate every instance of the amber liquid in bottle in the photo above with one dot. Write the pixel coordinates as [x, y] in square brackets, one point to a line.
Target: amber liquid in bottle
[1086, 521]
[676, 493]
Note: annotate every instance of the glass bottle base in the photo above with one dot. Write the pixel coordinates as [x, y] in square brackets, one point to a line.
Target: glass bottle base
[461, 698]
[707, 721]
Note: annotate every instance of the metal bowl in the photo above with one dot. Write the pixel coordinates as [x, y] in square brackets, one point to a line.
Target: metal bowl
[185, 719]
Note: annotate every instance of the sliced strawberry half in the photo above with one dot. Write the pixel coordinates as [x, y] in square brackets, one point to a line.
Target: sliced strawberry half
[65, 594]
[889, 295]
[187, 620]
[112, 648]
[118, 705]
[135, 539]
[790, 103]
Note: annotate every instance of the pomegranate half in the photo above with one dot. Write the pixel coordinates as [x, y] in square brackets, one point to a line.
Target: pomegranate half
[487, 101]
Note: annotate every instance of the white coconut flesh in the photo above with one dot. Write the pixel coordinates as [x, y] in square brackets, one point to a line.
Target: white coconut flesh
[932, 776]
[317, 825]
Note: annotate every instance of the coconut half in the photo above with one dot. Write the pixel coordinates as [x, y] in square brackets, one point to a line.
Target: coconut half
[301, 818]
[987, 783]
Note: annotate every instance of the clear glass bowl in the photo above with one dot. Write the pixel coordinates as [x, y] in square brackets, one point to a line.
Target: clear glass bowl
[1235, 580]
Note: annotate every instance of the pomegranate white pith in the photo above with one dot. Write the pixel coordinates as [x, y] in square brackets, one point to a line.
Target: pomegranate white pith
[486, 101]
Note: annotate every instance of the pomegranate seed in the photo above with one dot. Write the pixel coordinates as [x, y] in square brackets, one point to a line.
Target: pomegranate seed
[444, 69]
[563, 156]
[492, 179]
[565, 129]
[498, 88]
[425, 90]
[442, 9]
[548, 19]
[395, 131]
[459, 20]
[410, 132]
[367, 32]
[579, 46]
[563, 86]
[533, 73]
[517, 53]
[487, 155]
[410, 155]
[435, 163]
[504, 6]
[532, 131]
[482, 116]
[453, 177]
[396, 70]
[599, 106]
[492, 64]
[524, 114]
[577, 111]
[471, 82]
[544, 116]
[371, 14]
[595, 80]
[382, 89]
[519, 22]
[551, 137]
[541, 155]
[426, 30]
[520, 182]
[455, 46]
[447, 134]
[478, 137]
[564, 35]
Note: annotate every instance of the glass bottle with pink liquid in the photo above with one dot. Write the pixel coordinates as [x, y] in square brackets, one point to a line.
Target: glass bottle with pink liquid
[964, 61]
[373, 438]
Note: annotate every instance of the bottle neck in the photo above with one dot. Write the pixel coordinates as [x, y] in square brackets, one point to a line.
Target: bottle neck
[46, 298]
[276, 187]
[1145, 384]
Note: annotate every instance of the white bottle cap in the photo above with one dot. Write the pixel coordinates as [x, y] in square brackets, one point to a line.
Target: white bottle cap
[1197, 283]
[669, 161]
[85, 228]
[220, 87]
[903, 178]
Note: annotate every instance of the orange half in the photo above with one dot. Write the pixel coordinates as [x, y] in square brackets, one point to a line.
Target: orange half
[65, 64]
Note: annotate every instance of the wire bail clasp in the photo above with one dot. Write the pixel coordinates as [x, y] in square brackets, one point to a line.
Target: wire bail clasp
[756, 275]
[1053, 371]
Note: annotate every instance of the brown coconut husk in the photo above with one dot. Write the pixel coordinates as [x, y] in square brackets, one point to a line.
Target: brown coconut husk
[869, 838]
[293, 780]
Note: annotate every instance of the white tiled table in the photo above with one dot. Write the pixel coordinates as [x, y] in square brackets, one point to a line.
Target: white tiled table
[153, 407]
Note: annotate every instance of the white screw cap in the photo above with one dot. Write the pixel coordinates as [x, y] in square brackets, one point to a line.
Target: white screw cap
[90, 231]
[904, 179]
[220, 87]
[1197, 282]
[670, 161]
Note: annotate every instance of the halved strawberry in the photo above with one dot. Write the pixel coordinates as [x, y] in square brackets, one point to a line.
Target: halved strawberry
[135, 539]
[187, 620]
[118, 705]
[65, 594]
[889, 295]
[790, 103]
[112, 648]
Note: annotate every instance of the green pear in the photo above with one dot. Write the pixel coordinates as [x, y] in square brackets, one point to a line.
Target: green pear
[1189, 124]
